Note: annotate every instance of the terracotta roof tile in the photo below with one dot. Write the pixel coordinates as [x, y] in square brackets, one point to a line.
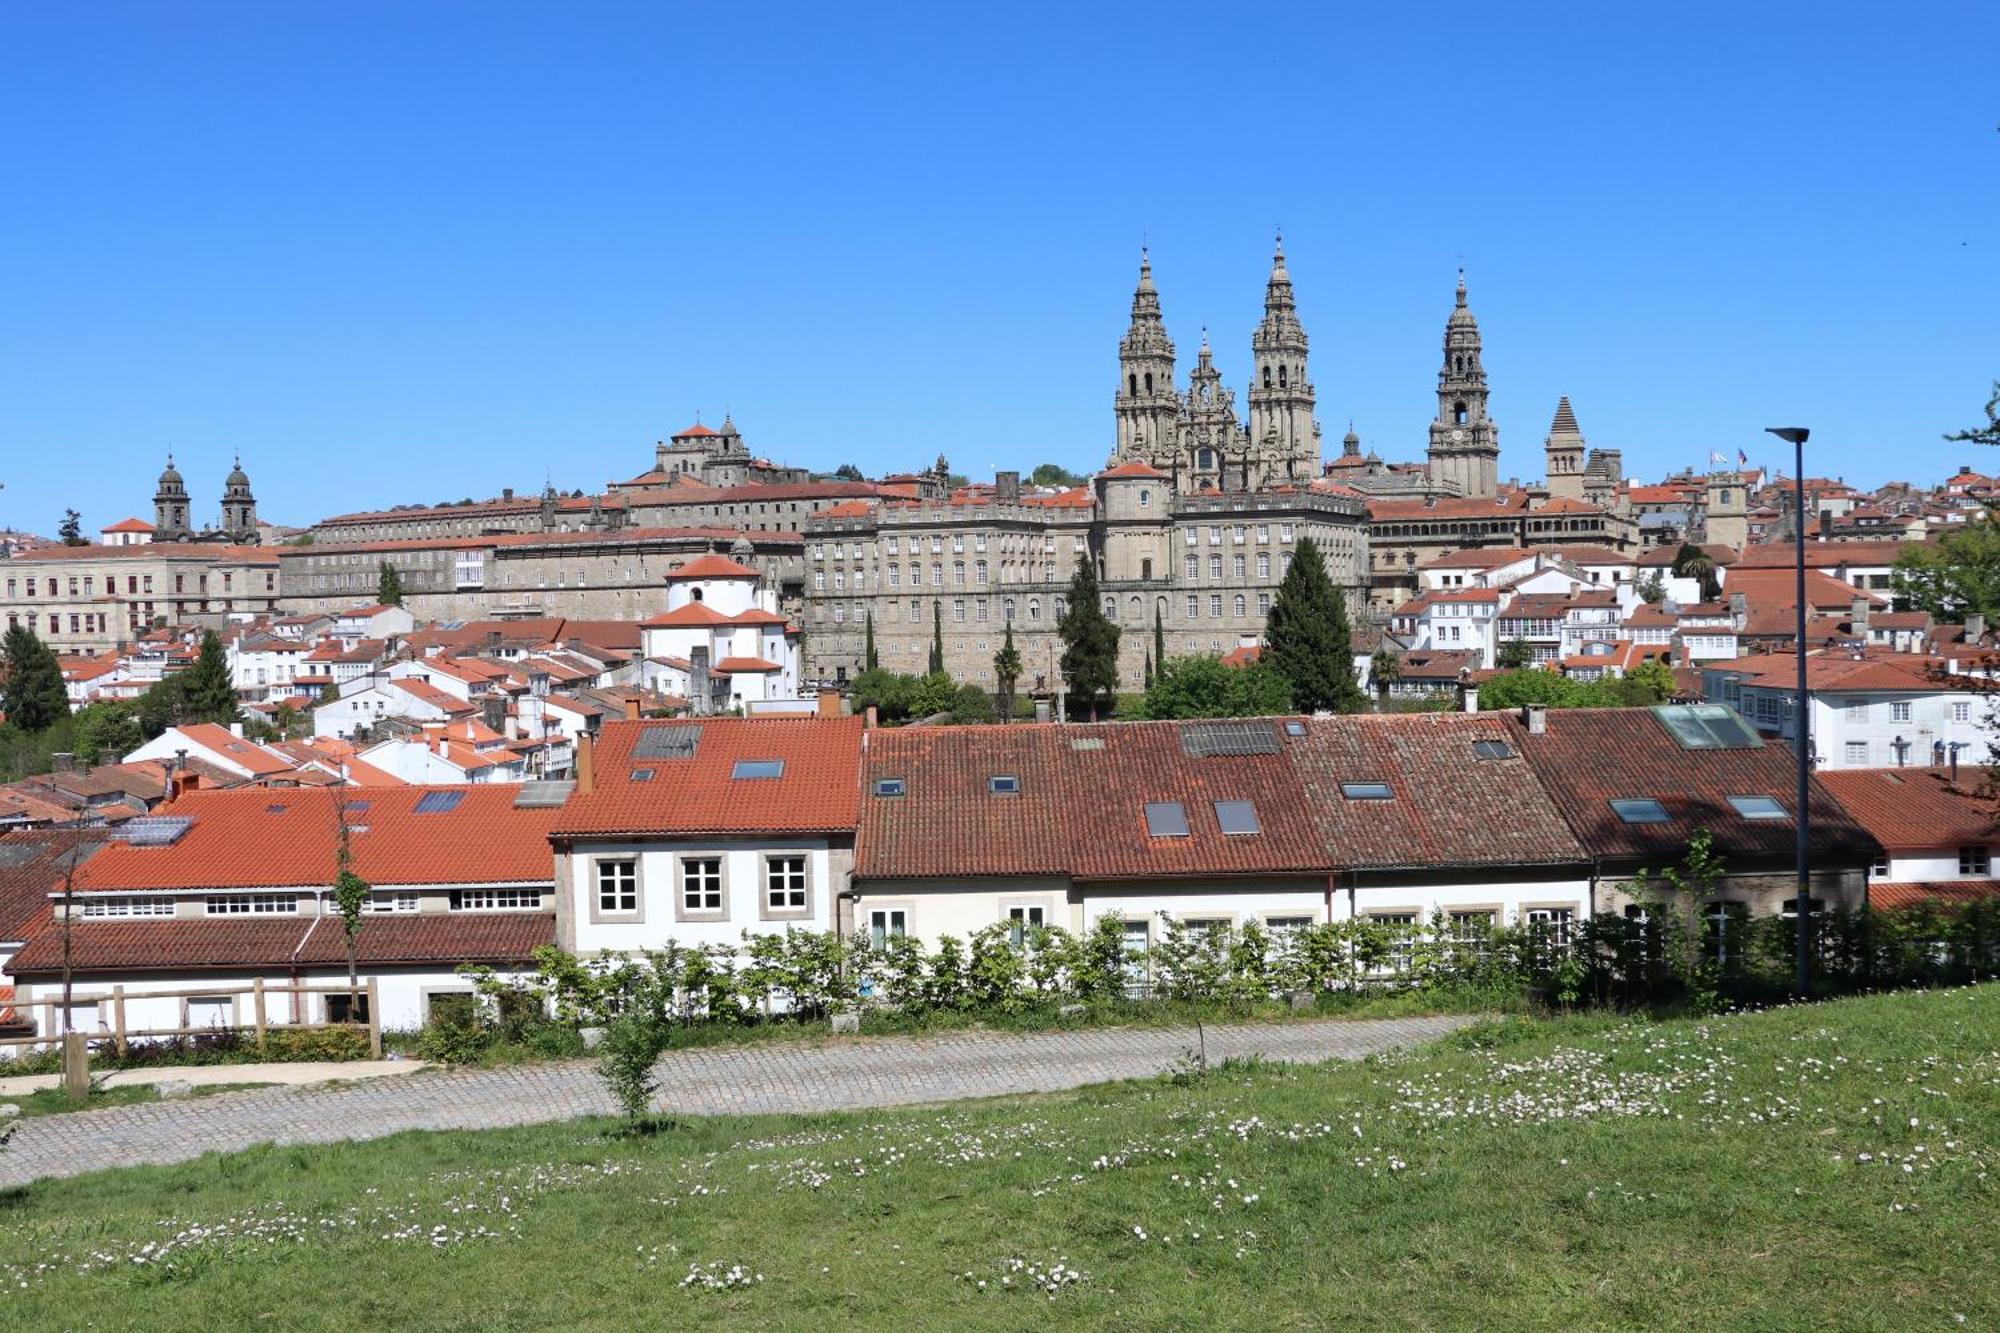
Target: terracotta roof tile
[281, 941]
[713, 567]
[1947, 893]
[1915, 807]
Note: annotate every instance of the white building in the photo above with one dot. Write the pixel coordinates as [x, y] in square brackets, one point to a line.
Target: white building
[1869, 710]
[721, 643]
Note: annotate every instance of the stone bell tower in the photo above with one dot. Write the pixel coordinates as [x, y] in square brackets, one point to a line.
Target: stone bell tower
[1465, 441]
[1284, 439]
[1146, 405]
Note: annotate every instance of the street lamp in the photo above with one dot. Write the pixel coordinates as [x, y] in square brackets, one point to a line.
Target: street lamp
[1802, 719]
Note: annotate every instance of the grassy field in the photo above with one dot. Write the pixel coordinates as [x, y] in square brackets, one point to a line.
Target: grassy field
[1812, 1168]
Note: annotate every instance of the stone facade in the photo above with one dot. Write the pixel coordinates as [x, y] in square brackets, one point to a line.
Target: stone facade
[90, 599]
[1465, 441]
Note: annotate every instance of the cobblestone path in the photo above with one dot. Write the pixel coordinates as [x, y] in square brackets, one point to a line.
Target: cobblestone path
[849, 1074]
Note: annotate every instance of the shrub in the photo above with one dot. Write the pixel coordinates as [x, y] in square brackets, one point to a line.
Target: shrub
[626, 1060]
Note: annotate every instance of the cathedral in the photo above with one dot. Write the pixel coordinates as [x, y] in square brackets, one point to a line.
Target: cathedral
[171, 522]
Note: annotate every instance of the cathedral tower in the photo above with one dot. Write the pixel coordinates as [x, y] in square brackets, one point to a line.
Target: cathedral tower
[1146, 404]
[239, 507]
[1465, 442]
[1284, 440]
[1564, 449]
[170, 506]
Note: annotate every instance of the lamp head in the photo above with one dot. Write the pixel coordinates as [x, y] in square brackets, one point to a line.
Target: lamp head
[1789, 434]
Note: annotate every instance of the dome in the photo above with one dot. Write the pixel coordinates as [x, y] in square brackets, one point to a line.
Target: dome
[236, 476]
[172, 476]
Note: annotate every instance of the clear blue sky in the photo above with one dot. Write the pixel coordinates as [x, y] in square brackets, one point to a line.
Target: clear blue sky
[415, 252]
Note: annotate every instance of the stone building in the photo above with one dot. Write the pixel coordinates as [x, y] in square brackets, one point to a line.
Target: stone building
[172, 517]
[90, 599]
[1192, 524]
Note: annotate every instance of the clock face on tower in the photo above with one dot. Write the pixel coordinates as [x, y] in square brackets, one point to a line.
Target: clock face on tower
[1458, 435]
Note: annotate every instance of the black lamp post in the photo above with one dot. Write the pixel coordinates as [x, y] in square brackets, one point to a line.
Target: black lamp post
[1802, 719]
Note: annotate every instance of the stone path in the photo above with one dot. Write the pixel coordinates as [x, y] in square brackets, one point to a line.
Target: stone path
[845, 1074]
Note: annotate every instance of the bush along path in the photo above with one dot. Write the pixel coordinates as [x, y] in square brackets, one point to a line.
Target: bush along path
[852, 1074]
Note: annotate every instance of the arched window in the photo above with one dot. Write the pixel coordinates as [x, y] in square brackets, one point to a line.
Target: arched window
[1458, 365]
[1007, 610]
[1110, 607]
[1132, 385]
[1241, 605]
[1034, 608]
[1281, 377]
[1149, 381]
[1137, 608]
[696, 594]
[1458, 413]
[1267, 377]
[1204, 460]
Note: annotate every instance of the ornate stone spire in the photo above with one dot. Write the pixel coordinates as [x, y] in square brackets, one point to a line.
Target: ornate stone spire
[1465, 442]
[1282, 431]
[1145, 405]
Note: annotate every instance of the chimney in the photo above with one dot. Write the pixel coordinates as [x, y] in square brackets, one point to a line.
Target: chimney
[632, 708]
[1006, 485]
[829, 703]
[1858, 613]
[869, 718]
[586, 767]
[1471, 698]
[181, 781]
[62, 761]
[506, 492]
[236, 730]
[1536, 718]
[1739, 604]
[444, 745]
[1041, 710]
[1975, 627]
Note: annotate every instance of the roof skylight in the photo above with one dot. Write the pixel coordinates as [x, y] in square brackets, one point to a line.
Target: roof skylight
[889, 786]
[1166, 819]
[1004, 784]
[1707, 727]
[1366, 791]
[1640, 810]
[1759, 807]
[438, 802]
[1237, 817]
[748, 769]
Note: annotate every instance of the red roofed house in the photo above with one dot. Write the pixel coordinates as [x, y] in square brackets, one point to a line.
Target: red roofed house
[1937, 831]
[722, 643]
[697, 831]
[224, 747]
[1870, 709]
[126, 532]
[223, 888]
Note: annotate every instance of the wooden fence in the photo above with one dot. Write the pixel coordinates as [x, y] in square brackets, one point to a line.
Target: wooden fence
[258, 990]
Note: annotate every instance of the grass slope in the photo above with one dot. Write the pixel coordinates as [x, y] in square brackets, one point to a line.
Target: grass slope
[1813, 1168]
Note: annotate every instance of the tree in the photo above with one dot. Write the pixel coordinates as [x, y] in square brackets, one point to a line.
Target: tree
[848, 472]
[1514, 655]
[1159, 639]
[206, 692]
[1202, 686]
[1653, 589]
[1385, 669]
[1955, 576]
[1691, 562]
[1650, 682]
[1006, 671]
[350, 896]
[1988, 433]
[1090, 641]
[885, 691]
[936, 664]
[34, 696]
[1307, 639]
[388, 585]
[106, 731]
[1054, 474]
[71, 529]
[869, 660]
[933, 694]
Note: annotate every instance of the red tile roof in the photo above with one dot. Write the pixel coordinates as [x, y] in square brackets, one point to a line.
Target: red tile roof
[128, 525]
[712, 567]
[690, 613]
[1947, 894]
[435, 938]
[1823, 555]
[1915, 807]
[34, 862]
[251, 838]
[245, 754]
[425, 692]
[696, 429]
[746, 665]
[1135, 468]
[816, 793]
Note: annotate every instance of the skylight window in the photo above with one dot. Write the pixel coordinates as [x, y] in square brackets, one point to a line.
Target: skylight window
[275, 808]
[357, 807]
[1295, 728]
[642, 775]
[438, 802]
[1166, 819]
[1237, 817]
[1759, 807]
[748, 769]
[1004, 784]
[889, 786]
[1640, 810]
[1366, 791]
[1707, 727]
[1492, 750]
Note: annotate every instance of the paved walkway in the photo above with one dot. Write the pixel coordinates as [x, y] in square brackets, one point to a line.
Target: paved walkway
[210, 1076]
[843, 1074]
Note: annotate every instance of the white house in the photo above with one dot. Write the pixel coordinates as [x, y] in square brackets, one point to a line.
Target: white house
[412, 700]
[126, 532]
[1869, 709]
[372, 622]
[461, 751]
[223, 747]
[725, 626]
[263, 666]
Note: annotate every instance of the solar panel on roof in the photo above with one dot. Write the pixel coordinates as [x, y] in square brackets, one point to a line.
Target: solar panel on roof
[438, 802]
[667, 743]
[152, 830]
[1207, 740]
[543, 794]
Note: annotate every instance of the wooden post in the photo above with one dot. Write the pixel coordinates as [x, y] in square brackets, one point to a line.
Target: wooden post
[257, 1006]
[76, 1065]
[118, 1020]
[374, 1023]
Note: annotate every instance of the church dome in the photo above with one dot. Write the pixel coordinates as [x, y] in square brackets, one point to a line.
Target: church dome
[236, 476]
[172, 476]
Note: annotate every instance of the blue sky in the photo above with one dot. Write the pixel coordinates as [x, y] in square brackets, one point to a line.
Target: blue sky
[415, 252]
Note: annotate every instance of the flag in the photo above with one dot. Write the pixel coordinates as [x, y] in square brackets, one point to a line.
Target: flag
[1717, 458]
[1742, 459]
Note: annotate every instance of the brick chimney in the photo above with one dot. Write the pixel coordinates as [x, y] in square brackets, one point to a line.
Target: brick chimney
[1858, 614]
[586, 766]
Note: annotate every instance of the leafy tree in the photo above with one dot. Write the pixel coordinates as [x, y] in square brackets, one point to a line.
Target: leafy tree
[1653, 589]
[71, 529]
[848, 472]
[1691, 562]
[1385, 669]
[970, 705]
[1007, 671]
[1307, 639]
[885, 691]
[1955, 576]
[1090, 641]
[106, 731]
[869, 660]
[1650, 682]
[1550, 689]
[932, 694]
[1988, 433]
[1202, 686]
[34, 695]
[388, 585]
[206, 692]
[936, 663]
[1514, 655]
[1055, 474]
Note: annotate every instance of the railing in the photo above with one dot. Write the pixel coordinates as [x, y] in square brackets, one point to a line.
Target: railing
[259, 992]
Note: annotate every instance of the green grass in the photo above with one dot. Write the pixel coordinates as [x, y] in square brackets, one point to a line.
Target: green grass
[1572, 1174]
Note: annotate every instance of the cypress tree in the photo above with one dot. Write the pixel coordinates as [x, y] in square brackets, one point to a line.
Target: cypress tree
[869, 662]
[936, 664]
[389, 586]
[1306, 637]
[34, 695]
[1090, 641]
[1159, 640]
[206, 691]
[1006, 671]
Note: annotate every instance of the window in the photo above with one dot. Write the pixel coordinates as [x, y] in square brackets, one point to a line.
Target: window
[1166, 819]
[1961, 711]
[345, 1008]
[1640, 810]
[1758, 807]
[1215, 566]
[1020, 920]
[1237, 817]
[211, 1011]
[1193, 565]
[394, 901]
[785, 883]
[1366, 791]
[1263, 564]
[495, 900]
[1004, 784]
[701, 884]
[1137, 936]
[1551, 923]
[748, 770]
[1725, 923]
[1281, 928]
[885, 924]
[1194, 606]
[1899, 712]
[1215, 604]
[888, 786]
[1855, 754]
[1492, 750]
[1401, 928]
[252, 904]
[618, 885]
[1974, 861]
[93, 906]
[1879, 867]
[1856, 713]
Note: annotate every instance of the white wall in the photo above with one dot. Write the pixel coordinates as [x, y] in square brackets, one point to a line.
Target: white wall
[660, 886]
